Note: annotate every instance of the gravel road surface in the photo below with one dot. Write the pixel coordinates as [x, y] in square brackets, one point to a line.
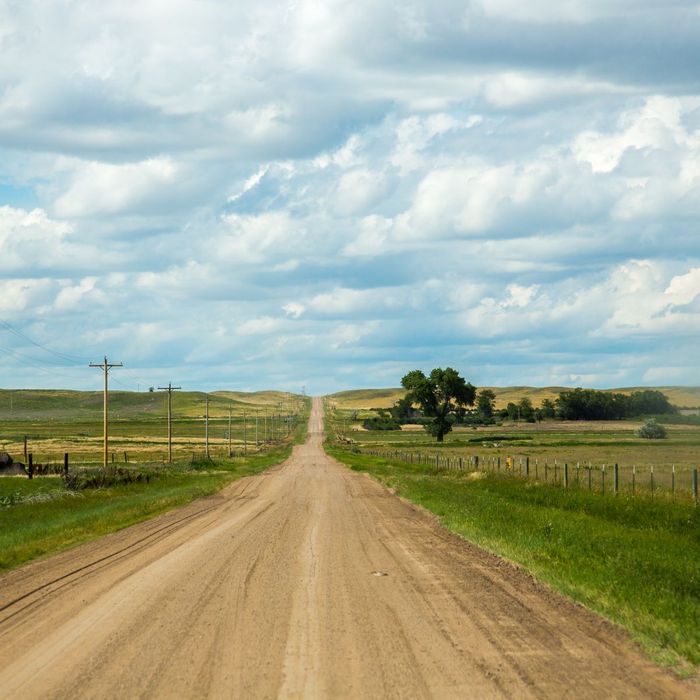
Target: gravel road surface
[308, 581]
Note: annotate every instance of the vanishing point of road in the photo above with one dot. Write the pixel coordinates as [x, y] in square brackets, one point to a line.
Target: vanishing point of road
[307, 581]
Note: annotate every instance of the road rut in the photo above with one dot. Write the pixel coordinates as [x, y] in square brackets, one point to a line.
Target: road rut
[308, 581]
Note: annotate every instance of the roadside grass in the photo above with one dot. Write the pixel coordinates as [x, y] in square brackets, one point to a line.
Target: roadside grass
[38, 527]
[636, 561]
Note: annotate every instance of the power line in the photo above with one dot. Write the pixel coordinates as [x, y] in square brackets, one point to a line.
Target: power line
[69, 358]
[28, 362]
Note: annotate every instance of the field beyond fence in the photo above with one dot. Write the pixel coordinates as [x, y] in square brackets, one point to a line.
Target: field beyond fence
[602, 479]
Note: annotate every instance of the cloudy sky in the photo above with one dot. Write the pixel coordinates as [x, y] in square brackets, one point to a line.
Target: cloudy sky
[328, 194]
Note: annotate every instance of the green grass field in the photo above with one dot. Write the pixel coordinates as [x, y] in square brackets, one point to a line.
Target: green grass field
[636, 561]
[594, 443]
[55, 422]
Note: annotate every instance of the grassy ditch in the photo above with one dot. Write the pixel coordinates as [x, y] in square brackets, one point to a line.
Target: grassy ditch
[42, 516]
[636, 561]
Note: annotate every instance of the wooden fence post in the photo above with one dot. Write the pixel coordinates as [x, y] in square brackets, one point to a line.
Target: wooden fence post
[673, 480]
[30, 466]
[616, 479]
[634, 477]
[527, 467]
[695, 486]
[65, 464]
[651, 479]
[566, 475]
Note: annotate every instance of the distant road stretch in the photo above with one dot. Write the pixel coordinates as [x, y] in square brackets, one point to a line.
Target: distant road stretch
[309, 581]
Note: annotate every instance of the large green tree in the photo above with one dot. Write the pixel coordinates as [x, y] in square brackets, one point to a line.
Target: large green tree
[485, 401]
[440, 395]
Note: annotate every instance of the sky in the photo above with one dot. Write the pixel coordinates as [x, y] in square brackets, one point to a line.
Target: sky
[329, 194]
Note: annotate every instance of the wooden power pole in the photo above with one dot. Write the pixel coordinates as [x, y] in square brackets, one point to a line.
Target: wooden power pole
[206, 425]
[229, 431]
[105, 367]
[170, 388]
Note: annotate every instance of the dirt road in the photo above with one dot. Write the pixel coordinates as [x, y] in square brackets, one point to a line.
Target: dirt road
[308, 581]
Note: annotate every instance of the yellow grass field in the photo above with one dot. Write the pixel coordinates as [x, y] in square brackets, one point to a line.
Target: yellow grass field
[681, 396]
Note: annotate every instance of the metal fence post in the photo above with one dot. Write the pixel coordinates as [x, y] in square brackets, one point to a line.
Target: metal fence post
[566, 475]
[616, 479]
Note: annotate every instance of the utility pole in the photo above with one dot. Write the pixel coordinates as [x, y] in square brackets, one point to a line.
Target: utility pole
[206, 425]
[105, 367]
[229, 431]
[170, 388]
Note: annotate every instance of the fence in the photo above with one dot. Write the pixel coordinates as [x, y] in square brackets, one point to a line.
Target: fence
[33, 468]
[603, 478]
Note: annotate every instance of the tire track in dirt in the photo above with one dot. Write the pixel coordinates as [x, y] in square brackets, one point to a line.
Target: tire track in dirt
[270, 589]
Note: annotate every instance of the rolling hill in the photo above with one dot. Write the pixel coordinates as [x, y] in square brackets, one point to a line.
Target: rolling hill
[19, 404]
[681, 396]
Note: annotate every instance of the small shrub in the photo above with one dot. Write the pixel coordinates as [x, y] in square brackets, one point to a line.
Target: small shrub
[99, 479]
[651, 430]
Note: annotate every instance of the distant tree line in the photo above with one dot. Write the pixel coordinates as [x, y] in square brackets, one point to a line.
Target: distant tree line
[589, 404]
[443, 399]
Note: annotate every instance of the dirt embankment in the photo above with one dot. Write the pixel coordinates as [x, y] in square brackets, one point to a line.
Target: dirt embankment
[307, 581]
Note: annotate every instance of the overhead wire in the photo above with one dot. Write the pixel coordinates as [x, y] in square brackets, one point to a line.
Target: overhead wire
[74, 360]
[28, 361]
[64, 356]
